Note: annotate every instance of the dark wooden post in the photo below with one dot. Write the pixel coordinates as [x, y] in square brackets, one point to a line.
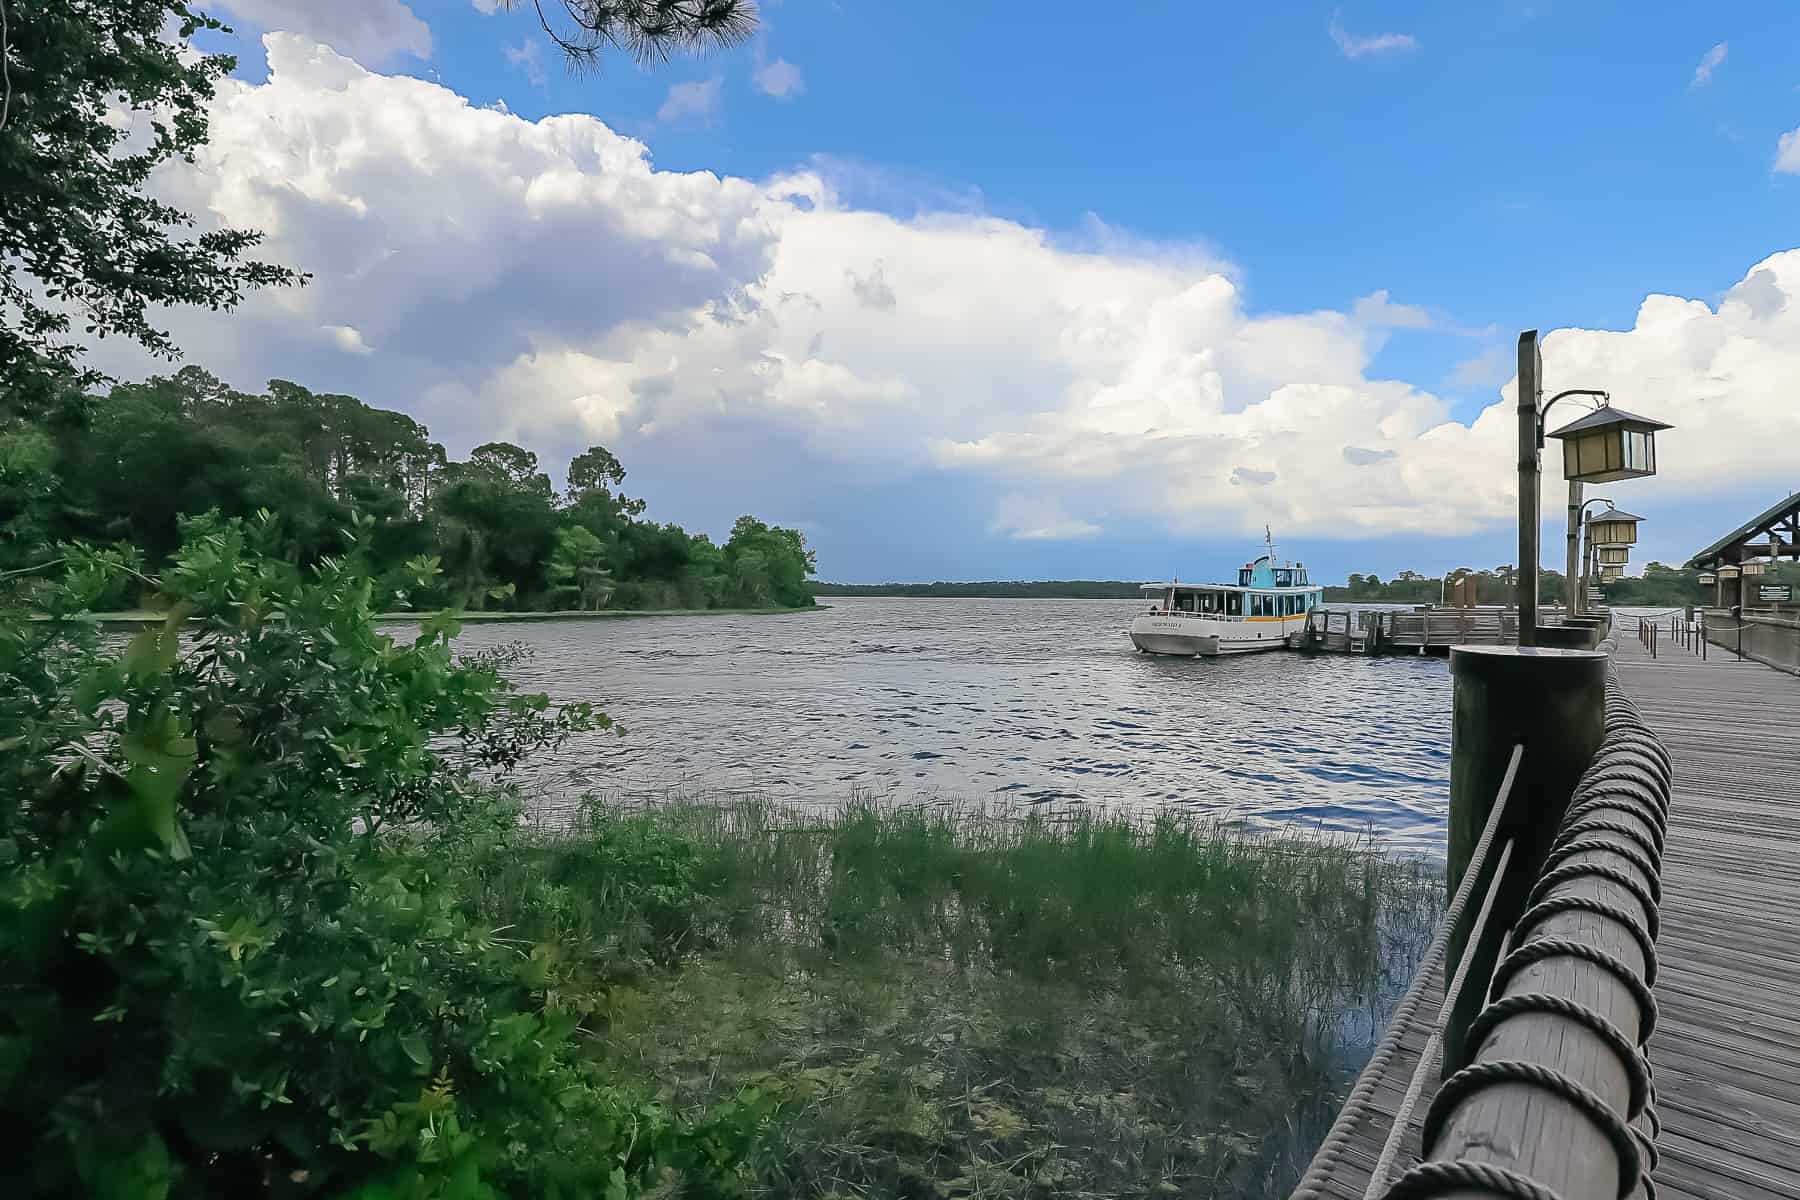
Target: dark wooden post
[1531, 385]
[1553, 701]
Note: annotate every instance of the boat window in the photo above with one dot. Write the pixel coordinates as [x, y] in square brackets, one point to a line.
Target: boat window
[1284, 578]
[1234, 604]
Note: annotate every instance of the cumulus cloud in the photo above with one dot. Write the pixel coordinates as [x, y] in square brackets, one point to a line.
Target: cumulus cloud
[1353, 45]
[780, 79]
[1377, 310]
[1787, 153]
[770, 344]
[370, 31]
[1710, 62]
[697, 99]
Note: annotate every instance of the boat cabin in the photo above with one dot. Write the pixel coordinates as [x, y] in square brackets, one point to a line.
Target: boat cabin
[1265, 590]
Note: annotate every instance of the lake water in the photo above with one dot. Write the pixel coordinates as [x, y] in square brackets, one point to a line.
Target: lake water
[1029, 701]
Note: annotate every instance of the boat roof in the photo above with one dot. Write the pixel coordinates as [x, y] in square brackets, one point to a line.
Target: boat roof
[1227, 587]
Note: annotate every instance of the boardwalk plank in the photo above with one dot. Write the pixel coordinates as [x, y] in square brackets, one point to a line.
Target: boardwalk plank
[1727, 1051]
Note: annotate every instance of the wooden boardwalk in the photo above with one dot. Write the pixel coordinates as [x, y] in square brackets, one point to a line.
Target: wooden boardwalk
[1726, 1051]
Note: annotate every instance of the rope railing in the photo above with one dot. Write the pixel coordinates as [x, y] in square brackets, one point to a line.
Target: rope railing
[1533, 1077]
[1338, 1139]
[1570, 1006]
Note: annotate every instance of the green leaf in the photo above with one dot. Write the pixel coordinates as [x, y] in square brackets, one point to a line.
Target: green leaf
[417, 1050]
[153, 651]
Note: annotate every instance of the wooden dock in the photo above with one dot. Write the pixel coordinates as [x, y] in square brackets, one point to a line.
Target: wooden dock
[1423, 629]
[1726, 1050]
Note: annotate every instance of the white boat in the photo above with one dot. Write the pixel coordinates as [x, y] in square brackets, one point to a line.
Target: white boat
[1269, 601]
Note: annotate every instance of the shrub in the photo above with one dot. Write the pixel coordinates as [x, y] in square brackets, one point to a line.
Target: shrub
[236, 963]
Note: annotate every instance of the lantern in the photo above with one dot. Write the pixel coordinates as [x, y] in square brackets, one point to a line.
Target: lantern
[1608, 574]
[1615, 555]
[1753, 568]
[1613, 528]
[1707, 578]
[1607, 444]
[1728, 572]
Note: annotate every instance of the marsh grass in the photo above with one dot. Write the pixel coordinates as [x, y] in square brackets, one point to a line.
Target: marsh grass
[954, 1001]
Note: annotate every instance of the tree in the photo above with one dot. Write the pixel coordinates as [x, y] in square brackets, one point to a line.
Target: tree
[768, 564]
[649, 31]
[78, 232]
[578, 567]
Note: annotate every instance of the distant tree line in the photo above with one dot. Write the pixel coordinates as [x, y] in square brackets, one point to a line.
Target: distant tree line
[490, 531]
[1066, 589]
[1659, 586]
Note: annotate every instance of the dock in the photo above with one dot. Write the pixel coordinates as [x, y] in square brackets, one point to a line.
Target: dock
[1424, 629]
[1726, 1051]
[1640, 1036]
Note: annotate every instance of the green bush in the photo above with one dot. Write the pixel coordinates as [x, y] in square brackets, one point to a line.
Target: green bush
[236, 959]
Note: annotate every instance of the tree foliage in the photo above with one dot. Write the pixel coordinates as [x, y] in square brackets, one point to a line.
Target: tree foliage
[124, 469]
[648, 31]
[237, 959]
[99, 97]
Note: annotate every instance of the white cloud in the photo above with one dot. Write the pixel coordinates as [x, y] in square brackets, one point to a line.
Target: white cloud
[1487, 369]
[1358, 45]
[1787, 153]
[781, 78]
[529, 57]
[697, 99]
[1378, 311]
[348, 339]
[1038, 519]
[544, 282]
[487, 7]
[372, 32]
[1711, 61]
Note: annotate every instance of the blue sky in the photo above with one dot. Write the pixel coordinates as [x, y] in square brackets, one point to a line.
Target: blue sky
[1391, 190]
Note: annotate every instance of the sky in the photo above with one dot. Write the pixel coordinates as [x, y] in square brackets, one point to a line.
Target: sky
[967, 295]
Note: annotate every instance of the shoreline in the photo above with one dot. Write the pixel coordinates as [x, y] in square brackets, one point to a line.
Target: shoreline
[145, 618]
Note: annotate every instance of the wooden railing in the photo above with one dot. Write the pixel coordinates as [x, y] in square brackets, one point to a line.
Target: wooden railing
[1534, 1066]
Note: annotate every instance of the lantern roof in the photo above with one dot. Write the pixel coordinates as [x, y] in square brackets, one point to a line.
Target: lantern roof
[1606, 415]
[1614, 514]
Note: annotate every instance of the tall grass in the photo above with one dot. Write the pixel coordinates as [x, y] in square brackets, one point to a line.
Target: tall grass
[952, 1001]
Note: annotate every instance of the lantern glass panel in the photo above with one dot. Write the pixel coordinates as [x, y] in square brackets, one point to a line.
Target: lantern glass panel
[1728, 572]
[1707, 577]
[1752, 568]
[1615, 554]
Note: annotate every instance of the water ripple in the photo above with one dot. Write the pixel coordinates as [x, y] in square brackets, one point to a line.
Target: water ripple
[1039, 700]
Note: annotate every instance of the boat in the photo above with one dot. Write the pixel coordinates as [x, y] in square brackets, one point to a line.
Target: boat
[1268, 602]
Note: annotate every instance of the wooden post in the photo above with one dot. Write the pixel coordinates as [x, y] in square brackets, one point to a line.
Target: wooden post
[1554, 702]
[1572, 560]
[1531, 386]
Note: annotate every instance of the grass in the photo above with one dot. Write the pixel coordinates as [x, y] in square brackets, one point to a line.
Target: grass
[957, 1002]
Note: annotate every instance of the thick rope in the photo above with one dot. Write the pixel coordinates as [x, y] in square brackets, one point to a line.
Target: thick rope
[1624, 879]
[1538, 949]
[1439, 1178]
[1566, 903]
[1637, 1067]
[1620, 808]
[1482, 1075]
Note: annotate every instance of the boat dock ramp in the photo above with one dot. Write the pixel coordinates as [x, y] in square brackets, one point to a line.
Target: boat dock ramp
[1421, 630]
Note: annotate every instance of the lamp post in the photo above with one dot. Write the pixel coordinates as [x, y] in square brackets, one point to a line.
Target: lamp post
[1605, 445]
[1575, 591]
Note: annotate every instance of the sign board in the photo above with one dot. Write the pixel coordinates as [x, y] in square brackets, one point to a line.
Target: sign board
[1771, 592]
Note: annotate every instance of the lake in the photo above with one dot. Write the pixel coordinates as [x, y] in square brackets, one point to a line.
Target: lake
[1027, 701]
